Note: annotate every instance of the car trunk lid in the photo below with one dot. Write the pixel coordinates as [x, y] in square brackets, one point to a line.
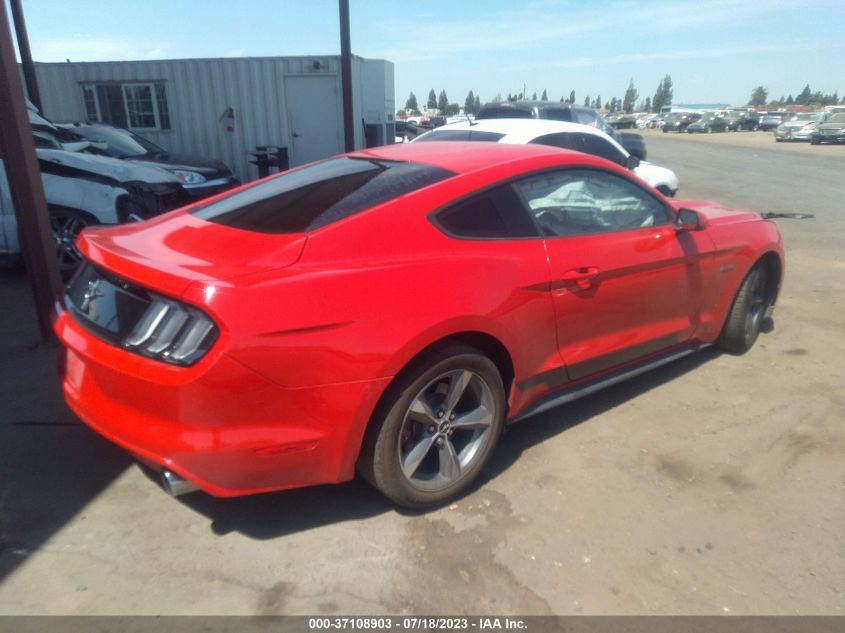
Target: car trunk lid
[172, 251]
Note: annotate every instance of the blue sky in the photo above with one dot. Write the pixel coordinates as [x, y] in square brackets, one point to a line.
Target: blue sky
[715, 50]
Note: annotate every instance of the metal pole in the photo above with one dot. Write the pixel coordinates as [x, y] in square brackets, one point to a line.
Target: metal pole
[18, 152]
[346, 76]
[26, 54]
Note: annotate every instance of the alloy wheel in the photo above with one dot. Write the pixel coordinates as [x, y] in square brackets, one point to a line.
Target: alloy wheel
[66, 226]
[445, 429]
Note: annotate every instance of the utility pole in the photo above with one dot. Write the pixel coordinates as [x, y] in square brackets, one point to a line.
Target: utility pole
[26, 54]
[17, 149]
[346, 76]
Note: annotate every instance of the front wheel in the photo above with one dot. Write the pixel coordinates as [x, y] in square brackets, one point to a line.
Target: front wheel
[437, 428]
[749, 308]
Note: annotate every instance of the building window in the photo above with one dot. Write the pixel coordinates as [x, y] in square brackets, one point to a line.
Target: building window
[136, 106]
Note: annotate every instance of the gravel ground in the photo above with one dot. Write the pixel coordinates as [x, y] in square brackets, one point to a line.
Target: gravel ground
[711, 486]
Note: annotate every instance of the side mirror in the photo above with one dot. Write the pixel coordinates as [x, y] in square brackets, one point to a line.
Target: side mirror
[633, 161]
[688, 220]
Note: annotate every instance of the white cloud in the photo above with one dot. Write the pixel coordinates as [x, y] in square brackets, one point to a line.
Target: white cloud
[82, 47]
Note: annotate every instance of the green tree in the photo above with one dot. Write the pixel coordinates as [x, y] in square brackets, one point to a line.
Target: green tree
[572, 97]
[453, 109]
[469, 103]
[647, 105]
[478, 103]
[597, 105]
[544, 96]
[804, 96]
[432, 100]
[790, 100]
[587, 102]
[411, 103]
[442, 102]
[758, 96]
[631, 96]
[657, 102]
[667, 90]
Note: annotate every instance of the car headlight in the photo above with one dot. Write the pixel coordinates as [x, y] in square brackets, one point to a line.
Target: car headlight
[188, 177]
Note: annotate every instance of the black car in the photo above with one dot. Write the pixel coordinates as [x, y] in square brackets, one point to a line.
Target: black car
[556, 111]
[201, 177]
[770, 120]
[831, 131]
[739, 120]
[679, 121]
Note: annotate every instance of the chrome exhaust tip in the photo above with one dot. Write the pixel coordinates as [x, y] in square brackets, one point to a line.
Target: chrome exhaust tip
[174, 485]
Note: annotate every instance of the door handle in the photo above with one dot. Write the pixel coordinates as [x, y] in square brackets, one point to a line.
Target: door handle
[296, 135]
[586, 272]
[583, 277]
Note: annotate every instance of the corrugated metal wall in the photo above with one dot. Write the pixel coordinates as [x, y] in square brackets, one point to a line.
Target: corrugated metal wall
[200, 90]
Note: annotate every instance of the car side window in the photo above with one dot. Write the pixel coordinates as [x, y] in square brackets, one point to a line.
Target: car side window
[563, 140]
[494, 214]
[584, 202]
[597, 146]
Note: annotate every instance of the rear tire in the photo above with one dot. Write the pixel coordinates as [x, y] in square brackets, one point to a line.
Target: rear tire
[749, 308]
[436, 427]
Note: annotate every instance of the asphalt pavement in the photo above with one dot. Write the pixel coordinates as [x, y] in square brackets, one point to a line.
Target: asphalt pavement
[711, 486]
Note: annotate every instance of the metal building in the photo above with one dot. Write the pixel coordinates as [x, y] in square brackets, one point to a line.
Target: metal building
[225, 108]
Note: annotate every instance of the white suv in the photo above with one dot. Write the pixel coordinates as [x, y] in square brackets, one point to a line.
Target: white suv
[582, 138]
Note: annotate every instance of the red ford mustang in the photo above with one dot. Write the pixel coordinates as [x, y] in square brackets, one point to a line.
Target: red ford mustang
[392, 309]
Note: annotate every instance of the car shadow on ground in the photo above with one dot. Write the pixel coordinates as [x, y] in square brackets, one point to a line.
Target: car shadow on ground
[51, 464]
[274, 515]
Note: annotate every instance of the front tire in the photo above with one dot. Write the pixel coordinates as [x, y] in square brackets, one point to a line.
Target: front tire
[436, 428]
[749, 308]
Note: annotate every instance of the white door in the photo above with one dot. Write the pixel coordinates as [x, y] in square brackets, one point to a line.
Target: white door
[313, 118]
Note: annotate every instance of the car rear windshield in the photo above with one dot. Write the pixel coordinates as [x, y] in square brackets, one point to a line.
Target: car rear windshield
[504, 112]
[319, 194]
[459, 135]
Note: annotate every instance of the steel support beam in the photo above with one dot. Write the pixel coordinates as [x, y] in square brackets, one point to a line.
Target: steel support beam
[346, 76]
[17, 149]
[26, 54]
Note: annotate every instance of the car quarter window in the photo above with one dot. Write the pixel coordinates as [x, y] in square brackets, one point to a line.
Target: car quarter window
[494, 214]
[583, 202]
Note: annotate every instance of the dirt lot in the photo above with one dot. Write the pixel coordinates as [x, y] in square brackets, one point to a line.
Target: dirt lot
[714, 485]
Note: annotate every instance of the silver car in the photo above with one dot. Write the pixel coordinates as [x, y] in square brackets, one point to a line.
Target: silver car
[800, 128]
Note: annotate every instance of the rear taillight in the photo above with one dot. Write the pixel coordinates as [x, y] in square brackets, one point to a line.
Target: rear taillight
[172, 332]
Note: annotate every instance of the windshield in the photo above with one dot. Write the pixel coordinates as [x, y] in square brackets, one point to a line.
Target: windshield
[837, 118]
[809, 116]
[120, 143]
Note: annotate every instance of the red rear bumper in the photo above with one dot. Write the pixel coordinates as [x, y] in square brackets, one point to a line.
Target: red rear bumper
[218, 424]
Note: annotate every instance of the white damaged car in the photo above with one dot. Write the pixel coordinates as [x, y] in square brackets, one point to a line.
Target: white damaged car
[85, 189]
[582, 138]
